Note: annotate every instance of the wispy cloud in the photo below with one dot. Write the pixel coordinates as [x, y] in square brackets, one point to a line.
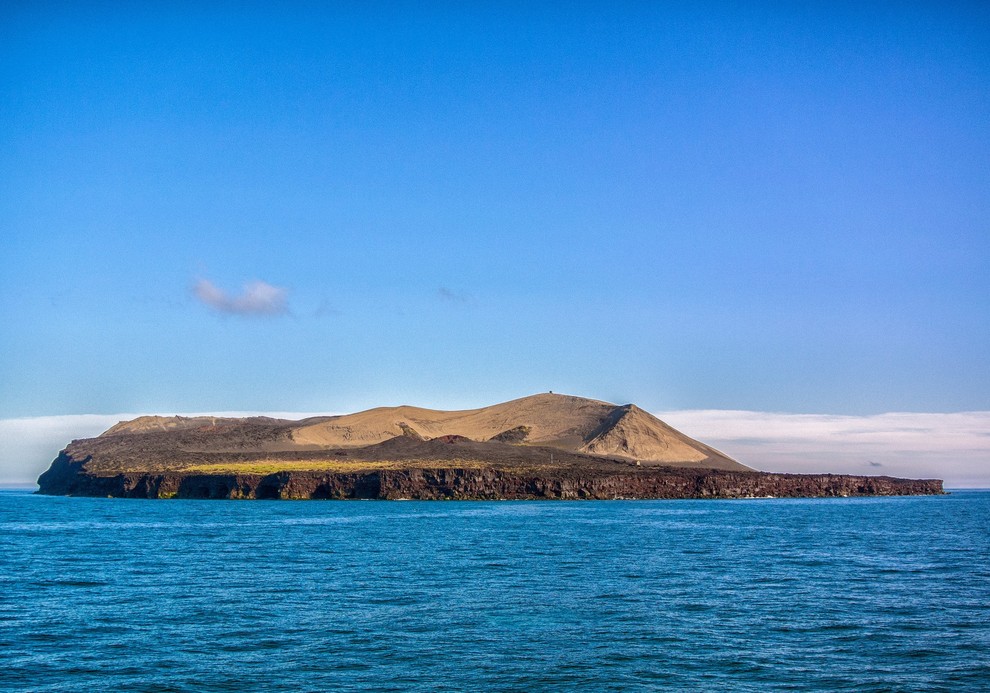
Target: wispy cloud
[445, 294]
[326, 309]
[256, 298]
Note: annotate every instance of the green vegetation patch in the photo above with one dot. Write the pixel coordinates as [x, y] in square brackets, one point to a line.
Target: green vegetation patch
[272, 466]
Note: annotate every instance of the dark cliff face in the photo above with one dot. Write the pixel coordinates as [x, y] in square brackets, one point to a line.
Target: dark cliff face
[69, 477]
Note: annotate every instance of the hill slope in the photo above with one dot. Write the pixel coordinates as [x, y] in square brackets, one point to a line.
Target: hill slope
[572, 424]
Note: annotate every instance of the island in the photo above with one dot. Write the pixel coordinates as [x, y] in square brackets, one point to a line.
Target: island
[545, 446]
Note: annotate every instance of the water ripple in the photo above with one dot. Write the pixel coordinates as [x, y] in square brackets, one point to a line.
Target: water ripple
[857, 594]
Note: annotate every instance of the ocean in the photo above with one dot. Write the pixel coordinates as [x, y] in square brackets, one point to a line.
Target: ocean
[859, 594]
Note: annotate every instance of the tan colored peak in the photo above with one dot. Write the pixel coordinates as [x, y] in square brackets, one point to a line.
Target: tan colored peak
[637, 434]
[570, 423]
[566, 422]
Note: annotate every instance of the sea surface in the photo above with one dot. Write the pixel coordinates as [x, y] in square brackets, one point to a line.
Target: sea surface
[869, 594]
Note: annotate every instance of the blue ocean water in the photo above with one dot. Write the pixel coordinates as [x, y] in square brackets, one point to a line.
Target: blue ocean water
[831, 594]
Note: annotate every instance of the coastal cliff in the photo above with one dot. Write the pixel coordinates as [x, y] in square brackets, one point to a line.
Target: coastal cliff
[545, 446]
[66, 477]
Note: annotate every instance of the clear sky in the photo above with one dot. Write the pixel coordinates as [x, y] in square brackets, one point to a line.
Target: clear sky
[317, 207]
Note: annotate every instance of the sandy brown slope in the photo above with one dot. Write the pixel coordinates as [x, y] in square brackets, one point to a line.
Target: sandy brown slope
[573, 424]
[557, 420]
[583, 427]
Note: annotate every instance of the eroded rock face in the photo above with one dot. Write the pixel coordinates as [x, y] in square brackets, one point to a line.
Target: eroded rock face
[68, 477]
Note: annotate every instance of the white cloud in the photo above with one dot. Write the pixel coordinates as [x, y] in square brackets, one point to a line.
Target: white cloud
[954, 447]
[257, 298]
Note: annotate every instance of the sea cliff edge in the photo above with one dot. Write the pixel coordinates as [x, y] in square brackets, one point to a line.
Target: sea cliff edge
[68, 477]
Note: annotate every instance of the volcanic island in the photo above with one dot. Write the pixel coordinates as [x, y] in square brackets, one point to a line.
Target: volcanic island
[546, 446]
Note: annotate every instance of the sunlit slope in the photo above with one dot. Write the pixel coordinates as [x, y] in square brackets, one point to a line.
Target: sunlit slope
[574, 424]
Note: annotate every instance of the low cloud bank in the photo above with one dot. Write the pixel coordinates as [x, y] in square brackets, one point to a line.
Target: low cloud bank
[28, 445]
[954, 447]
[256, 298]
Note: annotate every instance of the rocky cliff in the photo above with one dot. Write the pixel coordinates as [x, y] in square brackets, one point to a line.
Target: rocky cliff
[66, 477]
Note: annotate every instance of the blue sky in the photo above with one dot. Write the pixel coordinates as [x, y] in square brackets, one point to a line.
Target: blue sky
[738, 206]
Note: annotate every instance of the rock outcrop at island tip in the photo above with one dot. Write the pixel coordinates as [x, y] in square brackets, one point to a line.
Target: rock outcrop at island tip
[545, 446]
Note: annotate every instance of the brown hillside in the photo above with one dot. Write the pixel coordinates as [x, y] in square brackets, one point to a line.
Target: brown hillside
[573, 424]
[529, 432]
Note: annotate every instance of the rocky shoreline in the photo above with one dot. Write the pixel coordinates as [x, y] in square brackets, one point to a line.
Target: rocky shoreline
[68, 477]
